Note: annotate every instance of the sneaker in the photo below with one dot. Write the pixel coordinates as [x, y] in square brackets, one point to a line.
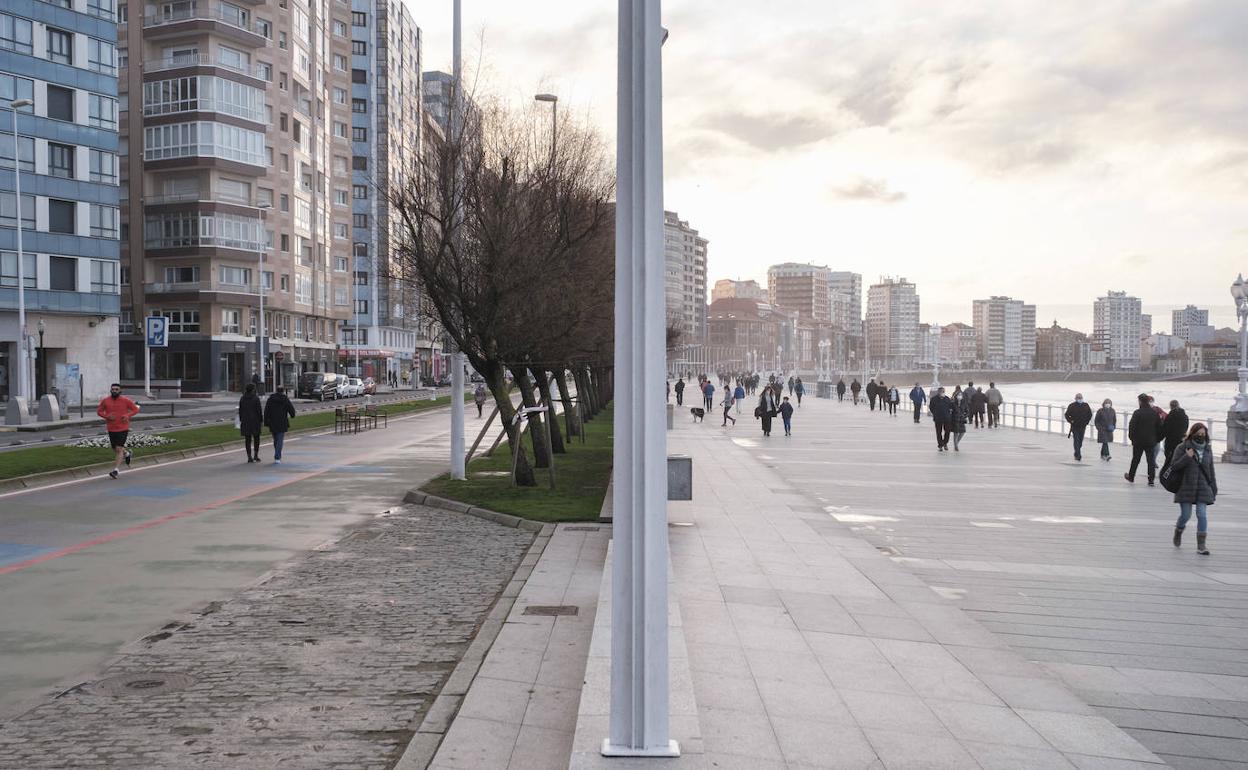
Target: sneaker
[129, 455]
[277, 462]
[113, 473]
[1127, 476]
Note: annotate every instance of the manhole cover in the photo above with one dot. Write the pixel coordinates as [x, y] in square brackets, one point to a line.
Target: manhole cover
[152, 683]
[550, 610]
[580, 529]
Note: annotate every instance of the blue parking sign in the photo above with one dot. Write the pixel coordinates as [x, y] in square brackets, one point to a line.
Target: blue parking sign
[157, 331]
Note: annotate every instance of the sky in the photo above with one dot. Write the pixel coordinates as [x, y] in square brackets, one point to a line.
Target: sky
[1049, 151]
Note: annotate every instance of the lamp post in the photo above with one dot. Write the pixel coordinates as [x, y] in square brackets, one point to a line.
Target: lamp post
[554, 123]
[23, 377]
[41, 382]
[458, 470]
[263, 333]
[1237, 417]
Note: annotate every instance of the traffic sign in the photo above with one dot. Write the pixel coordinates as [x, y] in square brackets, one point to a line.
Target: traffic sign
[279, 355]
[157, 329]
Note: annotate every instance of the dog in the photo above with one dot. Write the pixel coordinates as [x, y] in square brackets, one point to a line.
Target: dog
[698, 413]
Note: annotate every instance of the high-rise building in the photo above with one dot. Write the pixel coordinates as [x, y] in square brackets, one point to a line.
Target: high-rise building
[1146, 326]
[1061, 349]
[62, 58]
[1181, 321]
[726, 288]
[847, 308]
[1116, 327]
[1005, 332]
[436, 90]
[959, 344]
[892, 325]
[238, 184]
[386, 129]
[685, 253]
[802, 288]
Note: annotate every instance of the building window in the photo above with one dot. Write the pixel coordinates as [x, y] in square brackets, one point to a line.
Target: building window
[63, 274]
[12, 87]
[359, 162]
[340, 95]
[60, 103]
[359, 134]
[16, 34]
[8, 269]
[340, 197]
[61, 215]
[359, 48]
[101, 56]
[60, 46]
[340, 62]
[8, 210]
[359, 105]
[360, 278]
[203, 139]
[359, 76]
[303, 289]
[103, 167]
[359, 191]
[182, 274]
[360, 221]
[340, 265]
[101, 8]
[340, 230]
[104, 221]
[101, 111]
[181, 321]
[125, 324]
[361, 307]
[231, 321]
[266, 70]
[340, 28]
[104, 276]
[340, 296]
[359, 19]
[61, 160]
[27, 145]
[175, 365]
[360, 249]
[235, 276]
[340, 129]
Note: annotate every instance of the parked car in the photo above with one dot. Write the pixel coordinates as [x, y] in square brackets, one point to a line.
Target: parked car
[346, 389]
[357, 386]
[319, 385]
[370, 386]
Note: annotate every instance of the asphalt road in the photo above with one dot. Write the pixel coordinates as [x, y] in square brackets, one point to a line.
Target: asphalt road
[89, 565]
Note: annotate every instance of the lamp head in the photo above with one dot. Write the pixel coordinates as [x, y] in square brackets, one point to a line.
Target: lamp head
[17, 104]
[545, 98]
[1238, 289]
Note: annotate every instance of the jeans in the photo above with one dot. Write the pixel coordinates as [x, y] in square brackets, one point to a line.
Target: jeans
[278, 440]
[680, 397]
[1076, 432]
[710, 403]
[918, 410]
[1138, 451]
[1185, 513]
[994, 415]
[788, 427]
[892, 407]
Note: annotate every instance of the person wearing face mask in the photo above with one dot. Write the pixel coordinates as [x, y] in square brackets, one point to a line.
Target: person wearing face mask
[1193, 459]
[941, 409]
[1175, 431]
[1143, 430]
[959, 414]
[1106, 422]
[117, 410]
[1078, 415]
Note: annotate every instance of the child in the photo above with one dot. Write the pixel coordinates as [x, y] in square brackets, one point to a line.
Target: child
[786, 414]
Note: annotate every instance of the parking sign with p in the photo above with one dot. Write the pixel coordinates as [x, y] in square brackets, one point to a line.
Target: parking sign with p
[157, 332]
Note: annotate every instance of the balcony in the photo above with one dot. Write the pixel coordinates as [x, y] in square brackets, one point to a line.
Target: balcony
[199, 197]
[194, 18]
[195, 287]
[201, 60]
[205, 104]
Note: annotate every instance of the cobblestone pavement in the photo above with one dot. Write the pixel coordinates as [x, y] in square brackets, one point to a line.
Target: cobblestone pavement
[328, 663]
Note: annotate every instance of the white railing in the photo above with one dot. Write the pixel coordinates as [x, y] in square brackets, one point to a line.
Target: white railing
[1051, 418]
[200, 60]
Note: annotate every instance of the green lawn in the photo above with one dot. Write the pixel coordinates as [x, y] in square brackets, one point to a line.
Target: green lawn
[22, 462]
[581, 478]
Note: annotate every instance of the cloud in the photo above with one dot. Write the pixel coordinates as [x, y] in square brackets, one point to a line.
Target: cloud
[770, 132]
[864, 189]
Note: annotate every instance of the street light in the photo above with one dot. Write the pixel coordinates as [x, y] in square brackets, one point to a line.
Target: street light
[261, 241]
[1237, 418]
[554, 122]
[41, 380]
[23, 378]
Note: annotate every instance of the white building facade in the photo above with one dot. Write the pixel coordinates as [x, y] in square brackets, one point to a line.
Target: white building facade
[1005, 332]
[1181, 321]
[685, 278]
[1117, 324]
[892, 324]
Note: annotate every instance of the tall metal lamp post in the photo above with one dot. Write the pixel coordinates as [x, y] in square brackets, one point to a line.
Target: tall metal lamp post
[23, 351]
[1237, 418]
[41, 380]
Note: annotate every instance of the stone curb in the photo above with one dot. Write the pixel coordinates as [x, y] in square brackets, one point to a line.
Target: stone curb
[416, 497]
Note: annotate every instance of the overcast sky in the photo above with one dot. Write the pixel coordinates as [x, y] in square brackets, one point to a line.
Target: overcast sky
[1045, 150]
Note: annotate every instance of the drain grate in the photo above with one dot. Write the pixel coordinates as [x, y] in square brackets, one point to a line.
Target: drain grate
[150, 683]
[552, 610]
[580, 529]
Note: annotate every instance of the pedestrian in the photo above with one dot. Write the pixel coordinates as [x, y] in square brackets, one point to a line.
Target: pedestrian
[871, 393]
[1143, 431]
[798, 390]
[738, 395]
[259, 383]
[708, 395]
[1193, 461]
[791, 384]
[478, 397]
[1106, 422]
[840, 389]
[941, 409]
[855, 388]
[994, 401]
[881, 393]
[958, 416]
[680, 392]
[727, 404]
[766, 409]
[979, 402]
[669, 391]
[894, 398]
[1161, 436]
[1078, 415]
[250, 422]
[786, 414]
[1174, 429]
[117, 410]
[278, 412]
[918, 398]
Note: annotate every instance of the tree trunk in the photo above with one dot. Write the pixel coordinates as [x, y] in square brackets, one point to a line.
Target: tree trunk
[569, 408]
[537, 431]
[556, 436]
[497, 383]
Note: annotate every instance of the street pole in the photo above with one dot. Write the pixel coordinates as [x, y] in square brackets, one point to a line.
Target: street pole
[23, 362]
[457, 358]
[639, 582]
[260, 284]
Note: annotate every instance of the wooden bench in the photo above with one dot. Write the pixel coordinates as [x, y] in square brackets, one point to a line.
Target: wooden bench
[347, 419]
[372, 413]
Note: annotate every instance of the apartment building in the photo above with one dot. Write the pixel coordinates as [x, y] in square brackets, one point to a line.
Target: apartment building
[846, 302]
[1182, 321]
[1061, 349]
[959, 344]
[1117, 325]
[685, 278]
[60, 59]
[892, 325]
[236, 143]
[726, 288]
[1005, 331]
[802, 288]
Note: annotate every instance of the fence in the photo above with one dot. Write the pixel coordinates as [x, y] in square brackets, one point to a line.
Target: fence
[1051, 418]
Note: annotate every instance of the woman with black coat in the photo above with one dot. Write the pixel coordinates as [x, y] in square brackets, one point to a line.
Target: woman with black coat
[1106, 421]
[250, 419]
[278, 412]
[1144, 430]
[767, 408]
[959, 413]
[1193, 459]
[1175, 430]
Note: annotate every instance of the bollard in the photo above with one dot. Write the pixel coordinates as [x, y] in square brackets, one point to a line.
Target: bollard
[679, 477]
[671, 416]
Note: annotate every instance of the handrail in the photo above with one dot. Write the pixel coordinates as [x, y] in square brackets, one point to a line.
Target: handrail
[1049, 417]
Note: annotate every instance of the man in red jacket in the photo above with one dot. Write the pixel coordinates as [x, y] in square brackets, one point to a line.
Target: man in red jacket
[117, 410]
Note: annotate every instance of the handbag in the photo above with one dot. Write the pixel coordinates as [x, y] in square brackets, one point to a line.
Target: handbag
[1172, 482]
[758, 412]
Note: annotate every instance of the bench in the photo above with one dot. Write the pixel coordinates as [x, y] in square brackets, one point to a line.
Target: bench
[372, 414]
[347, 419]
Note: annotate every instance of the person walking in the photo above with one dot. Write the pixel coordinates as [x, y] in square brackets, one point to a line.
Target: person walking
[871, 388]
[117, 410]
[708, 395]
[941, 409]
[918, 397]
[994, 402]
[1174, 430]
[1193, 462]
[738, 395]
[840, 389]
[1160, 436]
[786, 414]
[1078, 415]
[979, 406]
[278, 412]
[766, 409]
[1106, 421]
[259, 383]
[959, 414]
[478, 397]
[727, 405]
[894, 398]
[791, 383]
[1143, 431]
[799, 390]
[855, 388]
[251, 422]
[680, 392]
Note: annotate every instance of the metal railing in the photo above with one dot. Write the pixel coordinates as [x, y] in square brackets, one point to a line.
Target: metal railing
[193, 286]
[197, 197]
[200, 60]
[1051, 418]
[196, 11]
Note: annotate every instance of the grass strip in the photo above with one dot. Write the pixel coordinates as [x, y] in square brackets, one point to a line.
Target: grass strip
[23, 462]
[581, 478]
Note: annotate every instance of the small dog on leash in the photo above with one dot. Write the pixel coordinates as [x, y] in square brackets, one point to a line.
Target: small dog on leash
[698, 413]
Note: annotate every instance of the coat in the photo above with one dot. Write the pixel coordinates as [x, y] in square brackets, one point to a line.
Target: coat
[1079, 414]
[840, 387]
[1106, 422]
[1175, 427]
[767, 403]
[941, 408]
[1195, 489]
[958, 413]
[277, 413]
[994, 397]
[1145, 428]
[250, 415]
[917, 395]
[978, 401]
